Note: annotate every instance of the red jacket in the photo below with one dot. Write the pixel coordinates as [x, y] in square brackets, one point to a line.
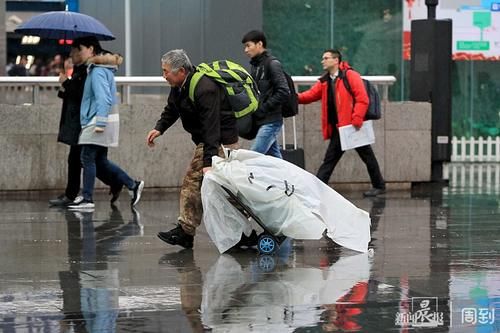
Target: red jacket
[347, 112]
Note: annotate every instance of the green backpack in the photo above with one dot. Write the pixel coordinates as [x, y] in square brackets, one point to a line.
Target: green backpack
[240, 88]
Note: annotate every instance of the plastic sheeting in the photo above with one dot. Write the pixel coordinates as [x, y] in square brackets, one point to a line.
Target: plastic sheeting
[287, 199]
[238, 295]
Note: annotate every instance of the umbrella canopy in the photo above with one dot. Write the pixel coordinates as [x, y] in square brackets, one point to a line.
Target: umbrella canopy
[64, 25]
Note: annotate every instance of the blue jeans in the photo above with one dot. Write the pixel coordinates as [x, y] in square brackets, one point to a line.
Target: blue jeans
[266, 141]
[97, 157]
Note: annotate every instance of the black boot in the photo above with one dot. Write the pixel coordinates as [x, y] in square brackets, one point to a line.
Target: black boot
[177, 236]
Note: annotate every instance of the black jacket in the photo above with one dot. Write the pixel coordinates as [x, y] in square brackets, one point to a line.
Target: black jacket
[69, 125]
[205, 119]
[268, 73]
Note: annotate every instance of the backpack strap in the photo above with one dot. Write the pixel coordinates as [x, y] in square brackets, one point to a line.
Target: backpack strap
[193, 83]
[345, 80]
[267, 63]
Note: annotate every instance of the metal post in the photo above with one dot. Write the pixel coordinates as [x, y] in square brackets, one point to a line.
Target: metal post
[128, 49]
[36, 94]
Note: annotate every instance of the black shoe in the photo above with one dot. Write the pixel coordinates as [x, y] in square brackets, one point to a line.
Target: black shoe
[115, 193]
[374, 192]
[177, 236]
[248, 241]
[61, 200]
[136, 192]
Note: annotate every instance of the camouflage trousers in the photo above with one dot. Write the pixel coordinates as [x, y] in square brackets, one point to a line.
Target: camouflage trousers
[191, 210]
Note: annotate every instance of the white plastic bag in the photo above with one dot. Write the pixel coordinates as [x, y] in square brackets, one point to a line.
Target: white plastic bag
[288, 200]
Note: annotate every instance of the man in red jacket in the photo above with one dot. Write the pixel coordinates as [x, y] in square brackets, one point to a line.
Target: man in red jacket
[339, 108]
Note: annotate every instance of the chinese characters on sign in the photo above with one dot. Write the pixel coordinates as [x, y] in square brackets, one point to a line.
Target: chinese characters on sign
[424, 313]
[480, 316]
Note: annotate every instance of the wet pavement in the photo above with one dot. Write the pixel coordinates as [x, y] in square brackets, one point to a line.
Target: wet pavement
[435, 267]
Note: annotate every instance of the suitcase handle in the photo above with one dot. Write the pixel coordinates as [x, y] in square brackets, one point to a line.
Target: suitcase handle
[294, 133]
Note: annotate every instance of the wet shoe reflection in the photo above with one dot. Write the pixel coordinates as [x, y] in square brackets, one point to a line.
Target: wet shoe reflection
[90, 288]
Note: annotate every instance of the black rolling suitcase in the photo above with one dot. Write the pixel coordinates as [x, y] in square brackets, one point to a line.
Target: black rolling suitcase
[291, 152]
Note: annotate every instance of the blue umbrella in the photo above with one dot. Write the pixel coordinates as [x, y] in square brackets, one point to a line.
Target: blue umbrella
[64, 25]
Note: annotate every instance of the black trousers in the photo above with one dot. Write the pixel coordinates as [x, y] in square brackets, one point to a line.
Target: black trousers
[75, 173]
[334, 153]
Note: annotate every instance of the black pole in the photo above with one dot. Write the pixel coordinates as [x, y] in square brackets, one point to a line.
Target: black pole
[431, 8]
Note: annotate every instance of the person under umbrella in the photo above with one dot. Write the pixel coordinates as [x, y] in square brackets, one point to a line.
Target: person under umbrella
[71, 92]
[100, 126]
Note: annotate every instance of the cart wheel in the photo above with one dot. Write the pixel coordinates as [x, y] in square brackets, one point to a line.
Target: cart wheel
[267, 263]
[267, 244]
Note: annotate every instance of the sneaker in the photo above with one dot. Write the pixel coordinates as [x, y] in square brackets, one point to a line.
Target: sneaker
[77, 200]
[177, 236]
[136, 192]
[248, 241]
[374, 192]
[61, 200]
[84, 205]
[115, 193]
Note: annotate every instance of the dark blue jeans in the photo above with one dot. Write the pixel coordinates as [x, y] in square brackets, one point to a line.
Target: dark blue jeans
[96, 157]
[75, 174]
[266, 141]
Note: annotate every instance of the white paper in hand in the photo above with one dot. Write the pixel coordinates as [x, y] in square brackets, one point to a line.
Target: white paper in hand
[351, 138]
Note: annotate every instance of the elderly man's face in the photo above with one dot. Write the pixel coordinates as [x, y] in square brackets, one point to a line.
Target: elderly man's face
[174, 78]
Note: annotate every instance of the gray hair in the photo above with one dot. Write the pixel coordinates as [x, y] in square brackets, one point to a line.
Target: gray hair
[177, 59]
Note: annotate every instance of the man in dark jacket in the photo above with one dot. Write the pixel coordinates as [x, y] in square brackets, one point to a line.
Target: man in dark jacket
[71, 92]
[211, 124]
[268, 73]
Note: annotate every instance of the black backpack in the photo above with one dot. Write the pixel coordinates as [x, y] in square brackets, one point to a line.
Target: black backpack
[290, 107]
[374, 111]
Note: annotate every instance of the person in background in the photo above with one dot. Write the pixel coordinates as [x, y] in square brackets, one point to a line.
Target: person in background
[68, 67]
[71, 92]
[19, 69]
[340, 108]
[100, 125]
[270, 78]
[56, 66]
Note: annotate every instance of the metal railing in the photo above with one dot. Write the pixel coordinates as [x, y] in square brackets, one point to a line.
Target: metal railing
[35, 83]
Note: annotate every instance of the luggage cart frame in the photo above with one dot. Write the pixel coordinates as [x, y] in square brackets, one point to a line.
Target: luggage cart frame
[267, 243]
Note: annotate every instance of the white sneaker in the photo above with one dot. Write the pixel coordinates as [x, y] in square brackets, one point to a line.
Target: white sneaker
[83, 205]
[77, 200]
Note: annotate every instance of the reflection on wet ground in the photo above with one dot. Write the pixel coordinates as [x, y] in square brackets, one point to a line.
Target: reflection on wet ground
[435, 267]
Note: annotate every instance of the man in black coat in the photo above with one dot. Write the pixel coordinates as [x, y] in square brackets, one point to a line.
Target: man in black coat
[211, 123]
[270, 78]
[71, 92]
